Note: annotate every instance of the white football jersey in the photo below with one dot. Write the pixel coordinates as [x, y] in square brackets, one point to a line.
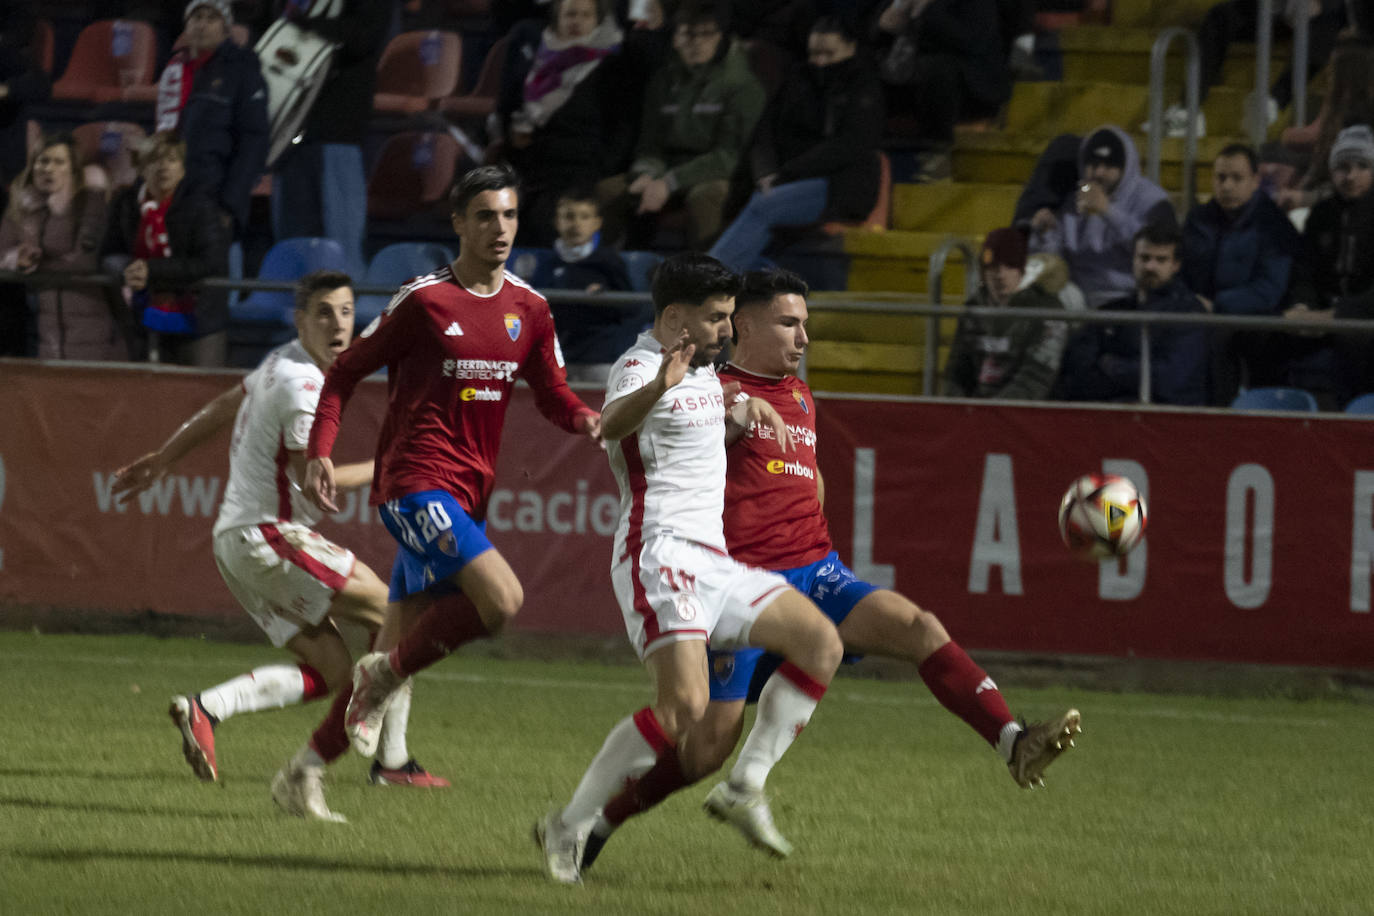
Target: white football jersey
[671, 472]
[274, 418]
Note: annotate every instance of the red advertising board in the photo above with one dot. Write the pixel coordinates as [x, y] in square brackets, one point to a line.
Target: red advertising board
[1260, 545]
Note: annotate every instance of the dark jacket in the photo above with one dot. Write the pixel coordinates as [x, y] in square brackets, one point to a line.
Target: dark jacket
[344, 106]
[591, 333]
[969, 31]
[1243, 262]
[1336, 244]
[1102, 362]
[823, 123]
[200, 248]
[225, 127]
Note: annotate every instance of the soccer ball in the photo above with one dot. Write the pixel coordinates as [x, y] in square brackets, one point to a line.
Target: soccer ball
[1101, 515]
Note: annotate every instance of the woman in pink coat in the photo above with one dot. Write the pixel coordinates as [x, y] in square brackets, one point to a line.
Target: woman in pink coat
[54, 224]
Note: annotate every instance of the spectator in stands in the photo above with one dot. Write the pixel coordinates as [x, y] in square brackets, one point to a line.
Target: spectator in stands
[1052, 184]
[1335, 277]
[1235, 20]
[784, 24]
[53, 224]
[1238, 258]
[164, 235]
[1102, 362]
[699, 111]
[213, 94]
[945, 63]
[320, 188]
[814, 155]
[1009, 356]
[1349, 100]
[558, 107]
[592, 336]
[1094, 231]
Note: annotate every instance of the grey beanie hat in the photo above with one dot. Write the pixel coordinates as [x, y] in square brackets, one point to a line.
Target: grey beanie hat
[1352, 143]
[223, 7]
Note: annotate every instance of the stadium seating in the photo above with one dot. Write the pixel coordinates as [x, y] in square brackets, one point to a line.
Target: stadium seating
[1275, 399]
[525, 263]
[881, 215]
[481, 100]
[640, 265]
[394, 265]
[44, 43]
[412, 176]
[262, 319]
[241, 36]
[112, 58]
[418, 69]
[110, 145]
[1364, 404]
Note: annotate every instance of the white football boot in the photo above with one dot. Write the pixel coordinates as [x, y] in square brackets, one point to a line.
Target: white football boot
[748, 813]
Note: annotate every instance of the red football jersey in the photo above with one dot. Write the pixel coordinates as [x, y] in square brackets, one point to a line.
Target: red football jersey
[452, 357]
[773, 515]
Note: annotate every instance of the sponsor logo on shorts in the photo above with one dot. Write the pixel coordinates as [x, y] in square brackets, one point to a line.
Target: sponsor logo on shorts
[686, 607]
[447, 544]
[480, 394]
[723, 667]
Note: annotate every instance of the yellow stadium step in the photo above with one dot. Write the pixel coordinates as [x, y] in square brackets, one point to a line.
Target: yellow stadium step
[1159, 13]
[948, 206]
[1112, 54]
[870, 351]
[898, 261]
[1048, 109]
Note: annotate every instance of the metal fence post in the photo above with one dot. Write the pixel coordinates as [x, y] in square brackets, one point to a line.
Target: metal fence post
[935, 274]
[1159, 55]
[1264, 44]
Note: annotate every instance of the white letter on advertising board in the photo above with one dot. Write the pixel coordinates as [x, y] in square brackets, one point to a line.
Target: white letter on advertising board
[1247, 479]
[1112, 583]
[996, 541]
[1362, 542]
[882, 575]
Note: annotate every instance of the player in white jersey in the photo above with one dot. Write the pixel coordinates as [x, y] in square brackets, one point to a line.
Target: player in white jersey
[293, 582]
[665, 423]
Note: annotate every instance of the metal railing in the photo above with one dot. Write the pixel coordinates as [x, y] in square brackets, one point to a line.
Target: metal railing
[1159, 55]
[1264, 46]
[935, 277]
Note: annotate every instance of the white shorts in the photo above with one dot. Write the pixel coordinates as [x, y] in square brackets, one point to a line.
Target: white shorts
[284, 575]
[678, 589]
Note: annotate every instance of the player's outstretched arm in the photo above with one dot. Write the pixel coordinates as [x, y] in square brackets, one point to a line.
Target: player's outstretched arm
[195, 432]
[625, 415]
[318, 485]
[352, 476]
[758, 412]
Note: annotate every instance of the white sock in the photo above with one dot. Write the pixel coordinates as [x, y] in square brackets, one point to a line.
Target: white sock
[268, 687]
[627, 754]
[308, 757]
[1006, 739]
[1025, 42]
[784, 710]
[392, 751]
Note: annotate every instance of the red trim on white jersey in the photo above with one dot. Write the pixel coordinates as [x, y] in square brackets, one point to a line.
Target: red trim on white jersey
[299, 558]
[634, 537]
[283, 484]
[768, 594]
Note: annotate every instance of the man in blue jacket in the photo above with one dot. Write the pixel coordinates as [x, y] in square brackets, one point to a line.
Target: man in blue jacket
[1238, 257]
[1102, 362]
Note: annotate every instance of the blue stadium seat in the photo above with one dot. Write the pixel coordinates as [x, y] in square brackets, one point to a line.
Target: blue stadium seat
[394, 265]
[525, 263]
[640, 265]
[1275, 399]
[262, 319]
[1364, 404]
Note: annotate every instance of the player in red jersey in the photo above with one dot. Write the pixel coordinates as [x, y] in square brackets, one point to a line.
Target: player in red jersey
[774, 519]
[453, 343]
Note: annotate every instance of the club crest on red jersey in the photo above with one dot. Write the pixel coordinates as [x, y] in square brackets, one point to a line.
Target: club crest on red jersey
[513, 326]
[802, 401]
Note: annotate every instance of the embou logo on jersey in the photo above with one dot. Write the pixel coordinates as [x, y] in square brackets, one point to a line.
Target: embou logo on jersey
[479, 394]
[801, 401]
[792, 468]
[513, 326]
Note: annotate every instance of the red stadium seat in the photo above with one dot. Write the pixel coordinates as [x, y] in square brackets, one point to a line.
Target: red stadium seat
[481, 101]
[110, 145]
[879, 218]
[416, 70]
[413, 174]
[112, 57]
[43, 43]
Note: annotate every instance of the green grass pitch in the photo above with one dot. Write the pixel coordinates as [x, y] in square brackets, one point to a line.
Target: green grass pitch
[1169, 805]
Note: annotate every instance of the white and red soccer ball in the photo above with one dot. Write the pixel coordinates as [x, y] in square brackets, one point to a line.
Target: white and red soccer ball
[1101, 515]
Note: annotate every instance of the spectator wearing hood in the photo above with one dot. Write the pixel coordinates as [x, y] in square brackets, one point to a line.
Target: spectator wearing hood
[1094, 231]
[1008, 356]
[699, 112]
[815, 154]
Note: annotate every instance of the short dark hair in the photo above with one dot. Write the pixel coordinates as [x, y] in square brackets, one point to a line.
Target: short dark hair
[690, 279]
[759, 287]
[319, 281]
[1240, 149]
[841, 25]
[696, 12]
[483, 178]
[580, 194]
[1159, 234]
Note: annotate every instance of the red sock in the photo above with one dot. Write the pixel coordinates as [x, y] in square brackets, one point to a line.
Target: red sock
[639, 795]
[448, 623]
[966, 690]
[315, 687]
[330, 740]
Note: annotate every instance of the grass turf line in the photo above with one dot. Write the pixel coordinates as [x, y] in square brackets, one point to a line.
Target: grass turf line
[1169, 804]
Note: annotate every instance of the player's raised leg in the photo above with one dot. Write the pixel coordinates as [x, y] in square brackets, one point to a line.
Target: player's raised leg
[889, 624]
